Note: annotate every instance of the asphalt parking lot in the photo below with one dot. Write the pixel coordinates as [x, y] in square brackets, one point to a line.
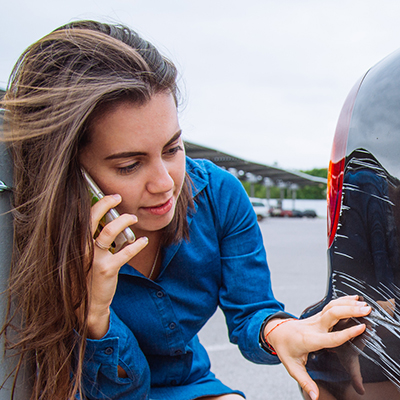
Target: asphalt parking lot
[296, 251]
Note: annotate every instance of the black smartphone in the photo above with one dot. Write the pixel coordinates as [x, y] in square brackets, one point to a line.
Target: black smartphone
[126, 236]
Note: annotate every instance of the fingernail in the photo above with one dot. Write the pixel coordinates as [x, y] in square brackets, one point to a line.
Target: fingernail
[313, 395]
[145, 238]
[117, 197]
[365, 309]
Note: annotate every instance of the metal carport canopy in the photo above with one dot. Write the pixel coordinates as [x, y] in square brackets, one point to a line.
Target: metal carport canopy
[260, 171]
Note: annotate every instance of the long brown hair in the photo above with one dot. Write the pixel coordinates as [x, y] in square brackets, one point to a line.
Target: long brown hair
[56, 85]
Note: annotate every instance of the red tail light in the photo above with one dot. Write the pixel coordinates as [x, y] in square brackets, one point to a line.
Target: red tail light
[337, 163]
[334, 197]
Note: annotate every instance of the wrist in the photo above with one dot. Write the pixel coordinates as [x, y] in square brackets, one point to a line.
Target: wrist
[278, 316]
[268, 329]
[98, 324]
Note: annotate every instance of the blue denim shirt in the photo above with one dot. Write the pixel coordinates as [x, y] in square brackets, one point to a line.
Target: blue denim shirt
[154, 325]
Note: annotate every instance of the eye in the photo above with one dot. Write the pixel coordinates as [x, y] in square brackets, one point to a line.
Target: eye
[173, 150]
[128, 169]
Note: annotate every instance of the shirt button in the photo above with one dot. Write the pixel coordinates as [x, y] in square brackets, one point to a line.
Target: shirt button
[109, 351]
[160, 294]
[172, 326]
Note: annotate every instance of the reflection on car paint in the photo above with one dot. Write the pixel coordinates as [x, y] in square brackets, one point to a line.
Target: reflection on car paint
[363, 253]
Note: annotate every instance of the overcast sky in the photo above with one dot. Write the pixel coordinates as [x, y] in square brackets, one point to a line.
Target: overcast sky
[264, 80]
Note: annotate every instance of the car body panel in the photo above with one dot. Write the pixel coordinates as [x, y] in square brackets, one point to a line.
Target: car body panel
[364, 245]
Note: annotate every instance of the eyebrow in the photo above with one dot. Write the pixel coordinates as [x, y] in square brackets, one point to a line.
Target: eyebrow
[128, 154]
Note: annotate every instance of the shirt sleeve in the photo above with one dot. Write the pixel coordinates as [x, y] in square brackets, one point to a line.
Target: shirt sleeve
[246, 295]
[102, 357]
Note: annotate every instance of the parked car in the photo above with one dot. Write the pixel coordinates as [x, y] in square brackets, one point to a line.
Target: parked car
[279, 212]
[297, 214]
[260, 207]
[309, 213]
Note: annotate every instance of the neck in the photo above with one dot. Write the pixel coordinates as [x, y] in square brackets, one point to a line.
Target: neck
[144, 261]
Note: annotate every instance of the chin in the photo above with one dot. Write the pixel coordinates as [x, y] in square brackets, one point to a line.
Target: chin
[153, 226]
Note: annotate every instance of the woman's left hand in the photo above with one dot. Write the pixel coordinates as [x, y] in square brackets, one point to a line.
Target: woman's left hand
[295, 339]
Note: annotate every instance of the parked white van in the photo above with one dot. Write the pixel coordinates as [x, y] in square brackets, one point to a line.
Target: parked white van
[260, 207]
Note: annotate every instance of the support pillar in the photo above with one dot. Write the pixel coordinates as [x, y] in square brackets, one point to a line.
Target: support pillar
[7, 364]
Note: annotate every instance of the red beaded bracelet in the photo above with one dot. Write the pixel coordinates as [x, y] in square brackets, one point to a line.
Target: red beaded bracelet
[266, 336]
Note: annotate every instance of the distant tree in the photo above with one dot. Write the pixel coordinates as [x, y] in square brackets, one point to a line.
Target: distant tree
[321, 172]
[314, 191]
[260, 191]
[304, 192]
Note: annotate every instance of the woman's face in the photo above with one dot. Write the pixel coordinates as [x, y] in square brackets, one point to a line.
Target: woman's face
[137, 151]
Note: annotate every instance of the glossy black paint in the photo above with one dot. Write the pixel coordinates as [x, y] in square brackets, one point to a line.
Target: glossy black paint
[364, 257]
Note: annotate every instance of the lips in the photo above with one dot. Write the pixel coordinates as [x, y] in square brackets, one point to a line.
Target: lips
[160, 209]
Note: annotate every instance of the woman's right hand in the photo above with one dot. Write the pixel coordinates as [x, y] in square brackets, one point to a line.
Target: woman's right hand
[103, 276]
[294, 340]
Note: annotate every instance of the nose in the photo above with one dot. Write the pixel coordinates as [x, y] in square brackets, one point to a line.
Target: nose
[159, 179]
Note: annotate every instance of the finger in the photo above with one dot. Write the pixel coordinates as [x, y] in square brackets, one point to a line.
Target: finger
[108, 264]
[337, 338]
[130, 251]
[342, 300]
[300, 374]
[333, 315]
[114, 228]
[340, 304]
[100, 208]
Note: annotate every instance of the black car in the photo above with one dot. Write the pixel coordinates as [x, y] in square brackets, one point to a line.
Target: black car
[305, 213]
[309, 213]
[364, 239]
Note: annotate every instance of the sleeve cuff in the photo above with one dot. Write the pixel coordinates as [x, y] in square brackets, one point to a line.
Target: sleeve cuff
[107, 349]
[252, 349]
[118, 347]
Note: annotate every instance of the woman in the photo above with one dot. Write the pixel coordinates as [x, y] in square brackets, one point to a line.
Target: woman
[124, 325]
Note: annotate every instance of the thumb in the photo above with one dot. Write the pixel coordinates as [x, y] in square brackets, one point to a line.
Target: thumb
[300, 374]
